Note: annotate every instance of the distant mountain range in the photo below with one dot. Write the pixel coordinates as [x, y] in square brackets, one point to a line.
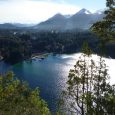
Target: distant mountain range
[15, 25]
[7, 26]
[83, 19]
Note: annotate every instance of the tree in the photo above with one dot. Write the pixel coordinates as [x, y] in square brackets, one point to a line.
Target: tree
[88, 92]
[105, 29]
[16, 98]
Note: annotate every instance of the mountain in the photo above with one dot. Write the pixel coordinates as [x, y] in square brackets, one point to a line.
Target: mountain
[83, 19]
[22, 25]
[55, 23]
[84, 11]
[15, 25]
[7, 26]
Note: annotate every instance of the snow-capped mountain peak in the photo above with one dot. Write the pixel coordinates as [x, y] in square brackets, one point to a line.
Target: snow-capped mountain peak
[84, 11]
[83, 19]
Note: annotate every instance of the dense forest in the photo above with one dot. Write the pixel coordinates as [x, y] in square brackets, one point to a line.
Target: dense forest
[16, 45]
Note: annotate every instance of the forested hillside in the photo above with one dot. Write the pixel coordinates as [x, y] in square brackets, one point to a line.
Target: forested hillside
[16, 45]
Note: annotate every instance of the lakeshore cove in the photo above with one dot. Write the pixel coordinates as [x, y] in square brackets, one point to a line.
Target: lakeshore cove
[50, 74]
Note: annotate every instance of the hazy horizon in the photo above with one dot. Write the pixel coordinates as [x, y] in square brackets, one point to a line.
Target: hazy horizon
[36, 11]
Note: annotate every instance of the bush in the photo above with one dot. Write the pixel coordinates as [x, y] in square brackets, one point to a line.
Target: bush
[16, 98]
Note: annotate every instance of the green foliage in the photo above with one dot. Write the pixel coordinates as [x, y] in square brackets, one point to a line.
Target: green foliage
[13, 50]
[86, 49]
[105, 29]
[16, 98]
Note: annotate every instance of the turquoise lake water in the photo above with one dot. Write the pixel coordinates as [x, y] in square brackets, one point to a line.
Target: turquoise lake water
[50, 74]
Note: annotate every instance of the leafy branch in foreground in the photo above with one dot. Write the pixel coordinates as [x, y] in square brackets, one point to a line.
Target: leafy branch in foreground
[16, 98]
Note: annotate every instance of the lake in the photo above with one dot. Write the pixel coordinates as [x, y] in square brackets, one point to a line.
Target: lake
[50, 74]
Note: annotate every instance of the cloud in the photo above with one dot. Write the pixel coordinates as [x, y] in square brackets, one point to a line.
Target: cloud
[32, 11]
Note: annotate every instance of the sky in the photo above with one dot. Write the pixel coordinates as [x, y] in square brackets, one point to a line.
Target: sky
[35, 11]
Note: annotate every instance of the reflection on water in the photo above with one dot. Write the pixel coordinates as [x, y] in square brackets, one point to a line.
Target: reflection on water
[50, 74]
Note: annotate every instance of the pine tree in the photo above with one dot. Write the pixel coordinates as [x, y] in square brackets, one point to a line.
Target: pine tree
[105, 29]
